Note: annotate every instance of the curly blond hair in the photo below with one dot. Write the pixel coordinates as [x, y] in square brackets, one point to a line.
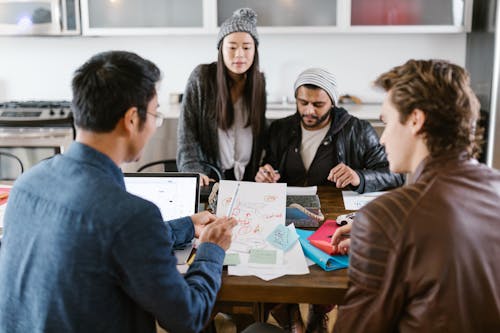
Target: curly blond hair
[442, 91]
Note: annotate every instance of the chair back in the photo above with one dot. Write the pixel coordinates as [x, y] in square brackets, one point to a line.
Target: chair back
[12, 166]
[169, 165]
[215, 173]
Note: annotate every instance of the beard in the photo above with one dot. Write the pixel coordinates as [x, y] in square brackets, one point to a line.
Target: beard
[319, 120]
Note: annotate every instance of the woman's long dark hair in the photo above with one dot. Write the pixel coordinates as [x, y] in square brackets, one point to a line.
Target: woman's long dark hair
[254, 96]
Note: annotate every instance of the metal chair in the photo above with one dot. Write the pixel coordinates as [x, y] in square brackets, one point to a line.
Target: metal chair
[170, 165]
[215, 173]
[8, 160]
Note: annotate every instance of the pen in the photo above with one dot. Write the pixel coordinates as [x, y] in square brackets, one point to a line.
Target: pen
[233, 200]
[341, 236]
[191, 258]
[275, 171]
[373, 194]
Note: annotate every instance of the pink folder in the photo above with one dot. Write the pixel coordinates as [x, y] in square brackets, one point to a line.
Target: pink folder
[322, 238]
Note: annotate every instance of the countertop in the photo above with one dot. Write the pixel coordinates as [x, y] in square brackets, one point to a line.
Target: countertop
[369, 111]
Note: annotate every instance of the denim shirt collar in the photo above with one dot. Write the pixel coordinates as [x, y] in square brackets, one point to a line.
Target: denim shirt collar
[88, 155]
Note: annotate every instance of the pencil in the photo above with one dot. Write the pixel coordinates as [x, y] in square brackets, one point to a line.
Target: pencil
[266, 172]
[191, 258]
[233, 200]
[3, 195]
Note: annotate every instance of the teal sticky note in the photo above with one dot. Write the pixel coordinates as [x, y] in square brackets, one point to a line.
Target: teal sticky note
[258, 256]
[282, 237]
[231, 259]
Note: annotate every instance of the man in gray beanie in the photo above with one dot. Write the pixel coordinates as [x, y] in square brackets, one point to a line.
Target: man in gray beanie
[323, 144]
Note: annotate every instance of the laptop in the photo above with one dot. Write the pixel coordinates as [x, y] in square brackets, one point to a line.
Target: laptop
[176, 194]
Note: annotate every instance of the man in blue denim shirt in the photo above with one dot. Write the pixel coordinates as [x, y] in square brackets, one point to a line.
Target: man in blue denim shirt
[79, 253]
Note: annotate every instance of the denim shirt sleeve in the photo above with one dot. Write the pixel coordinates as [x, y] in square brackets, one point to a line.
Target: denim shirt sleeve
[181, 230]
[142, 253]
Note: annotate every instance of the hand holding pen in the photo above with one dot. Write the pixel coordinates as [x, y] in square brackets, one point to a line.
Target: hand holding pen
[267, 174]
[220, 231]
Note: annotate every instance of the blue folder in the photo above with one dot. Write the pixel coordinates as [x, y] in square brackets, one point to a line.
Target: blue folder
[325, 261]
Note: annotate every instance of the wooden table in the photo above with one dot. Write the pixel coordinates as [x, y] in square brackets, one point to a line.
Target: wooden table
[318, 287]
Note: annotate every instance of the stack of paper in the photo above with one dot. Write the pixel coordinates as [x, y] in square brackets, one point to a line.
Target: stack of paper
[354, 200]
[301, 190]
[260, 246]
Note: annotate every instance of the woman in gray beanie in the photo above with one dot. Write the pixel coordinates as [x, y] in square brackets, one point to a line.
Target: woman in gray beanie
[222, 119]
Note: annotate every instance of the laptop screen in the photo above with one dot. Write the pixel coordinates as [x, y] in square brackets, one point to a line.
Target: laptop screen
[175, 193]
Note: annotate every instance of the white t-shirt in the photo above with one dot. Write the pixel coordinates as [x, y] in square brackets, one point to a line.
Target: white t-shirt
[235, 144]
[311, 139]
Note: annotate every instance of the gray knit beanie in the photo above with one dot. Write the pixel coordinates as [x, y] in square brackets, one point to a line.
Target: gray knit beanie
[321, 78]
[243, 20]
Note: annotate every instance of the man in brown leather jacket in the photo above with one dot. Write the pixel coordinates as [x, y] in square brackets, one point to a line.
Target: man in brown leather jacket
[424, 258]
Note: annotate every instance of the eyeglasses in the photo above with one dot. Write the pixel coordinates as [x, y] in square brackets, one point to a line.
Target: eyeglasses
[159, 118]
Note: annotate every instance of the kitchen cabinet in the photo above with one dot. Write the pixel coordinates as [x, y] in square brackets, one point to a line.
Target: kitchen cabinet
[142, 17]
[356, 16]
[154, 17]
[410, 15]
[292, 14]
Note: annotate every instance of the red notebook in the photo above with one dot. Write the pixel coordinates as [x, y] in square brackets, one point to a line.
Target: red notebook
[322, 238]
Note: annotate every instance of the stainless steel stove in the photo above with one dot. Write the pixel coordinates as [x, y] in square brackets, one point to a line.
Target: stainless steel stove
[33, 131]
[36, 114]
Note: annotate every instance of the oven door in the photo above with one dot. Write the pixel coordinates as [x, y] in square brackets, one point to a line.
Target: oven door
[30, 145]
[39, 17]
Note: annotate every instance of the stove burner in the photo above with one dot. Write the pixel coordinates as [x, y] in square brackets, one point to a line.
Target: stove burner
[36, 114]
[35, 104]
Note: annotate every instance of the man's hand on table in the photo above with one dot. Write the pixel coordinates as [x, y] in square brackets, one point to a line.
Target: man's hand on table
[340, 241]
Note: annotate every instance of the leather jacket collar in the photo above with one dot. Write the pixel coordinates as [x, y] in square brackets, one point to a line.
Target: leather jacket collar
[431, 163]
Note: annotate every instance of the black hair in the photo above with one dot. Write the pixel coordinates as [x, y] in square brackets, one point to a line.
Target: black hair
[254, 95]
[110, 83]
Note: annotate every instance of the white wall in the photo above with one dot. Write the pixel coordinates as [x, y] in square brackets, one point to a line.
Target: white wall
[34, 68]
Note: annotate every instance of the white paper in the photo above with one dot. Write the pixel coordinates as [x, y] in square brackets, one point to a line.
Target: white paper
[2, 212]
[354, 200]
[182, 268]
[296, 190]
[259, 208]
[293, 263]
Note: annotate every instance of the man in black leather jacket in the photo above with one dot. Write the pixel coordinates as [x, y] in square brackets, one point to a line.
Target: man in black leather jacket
[322, 143]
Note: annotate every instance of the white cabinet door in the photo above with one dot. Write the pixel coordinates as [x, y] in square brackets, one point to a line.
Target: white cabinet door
[355, 16]
[279, 13]
[153, 17]
[115, 17]
[410, 15]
